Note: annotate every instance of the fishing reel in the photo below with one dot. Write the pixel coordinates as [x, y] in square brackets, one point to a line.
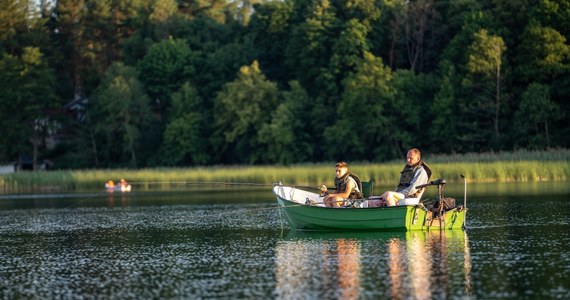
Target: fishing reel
[324, 190]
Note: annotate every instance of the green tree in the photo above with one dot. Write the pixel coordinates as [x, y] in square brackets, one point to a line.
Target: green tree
[485, 60]
[362, 122]
[535, 113]
[554, 14]
[220, 66]
[419, 19]
[167, 65]
[444, 130]
[212, 9]
[185, 138]
[287, 136]
[120, 114]
[543, 54]
[270, 27]
[411, 110]
[473, 100]
[349, 48]
[309, 50]
[22, 25]
[27, 92]
[242, 108]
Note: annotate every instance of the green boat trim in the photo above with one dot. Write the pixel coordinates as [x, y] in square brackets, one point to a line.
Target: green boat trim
[301, 216]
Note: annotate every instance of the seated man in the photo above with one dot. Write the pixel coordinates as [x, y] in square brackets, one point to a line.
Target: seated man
[347, 187]
[123, 182]
[415, 173]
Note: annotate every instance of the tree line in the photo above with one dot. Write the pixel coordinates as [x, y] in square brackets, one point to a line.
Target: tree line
[137, 83]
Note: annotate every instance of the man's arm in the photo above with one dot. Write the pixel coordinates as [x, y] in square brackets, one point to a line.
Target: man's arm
[420, 177]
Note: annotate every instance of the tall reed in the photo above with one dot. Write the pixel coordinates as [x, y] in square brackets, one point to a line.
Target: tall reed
[305, 174]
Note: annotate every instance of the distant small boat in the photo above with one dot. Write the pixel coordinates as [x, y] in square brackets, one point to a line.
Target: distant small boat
[305, 210]
[118, 188]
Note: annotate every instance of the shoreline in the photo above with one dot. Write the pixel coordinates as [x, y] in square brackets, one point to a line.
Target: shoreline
[305, 174]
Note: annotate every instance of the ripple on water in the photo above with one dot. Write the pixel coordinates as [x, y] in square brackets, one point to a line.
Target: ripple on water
[143, 252]
[199, 217]
[237, 251]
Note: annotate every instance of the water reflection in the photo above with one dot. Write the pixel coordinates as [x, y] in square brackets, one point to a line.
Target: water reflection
[418, 265]
[117, 199]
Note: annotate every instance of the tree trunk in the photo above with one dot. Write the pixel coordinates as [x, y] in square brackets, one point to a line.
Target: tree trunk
[94, 147]
[547, 134]
[35, 142]
[395, 35]
[133, 157]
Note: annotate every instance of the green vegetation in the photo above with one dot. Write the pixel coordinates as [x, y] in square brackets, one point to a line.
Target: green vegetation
[147, 84]
[497, 167]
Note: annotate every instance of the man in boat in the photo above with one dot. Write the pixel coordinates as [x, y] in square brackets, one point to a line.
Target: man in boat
[416, 172]
[347, 185]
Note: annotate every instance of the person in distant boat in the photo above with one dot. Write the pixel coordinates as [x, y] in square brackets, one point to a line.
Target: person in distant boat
[123, 182]
[347, 186]
[416, 172]
[110, 184]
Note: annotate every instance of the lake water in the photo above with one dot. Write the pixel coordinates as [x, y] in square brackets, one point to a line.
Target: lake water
[189, 244]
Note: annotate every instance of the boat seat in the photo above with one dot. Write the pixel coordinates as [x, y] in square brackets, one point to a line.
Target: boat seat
[367, 188]
[412, 201]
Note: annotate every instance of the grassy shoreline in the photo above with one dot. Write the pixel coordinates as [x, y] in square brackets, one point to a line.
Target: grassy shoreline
[306, 174]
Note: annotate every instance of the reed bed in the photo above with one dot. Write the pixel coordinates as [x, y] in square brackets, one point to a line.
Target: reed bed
[519, 155]
[306, 174]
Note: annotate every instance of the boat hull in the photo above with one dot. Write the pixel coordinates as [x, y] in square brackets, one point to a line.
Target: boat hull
[396, 218]
[118, 188]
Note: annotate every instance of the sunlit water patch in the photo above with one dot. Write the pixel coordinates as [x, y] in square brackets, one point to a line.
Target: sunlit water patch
[214, 246]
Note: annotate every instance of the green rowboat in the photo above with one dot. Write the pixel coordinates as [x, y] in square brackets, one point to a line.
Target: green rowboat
[304, 210]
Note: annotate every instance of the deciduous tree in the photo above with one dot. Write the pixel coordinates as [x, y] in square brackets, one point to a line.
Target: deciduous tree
[167, 65]
[534, 116]
[486, 60]
[120, 114]
[362, 121]
[186, 134]
[242, 108]
[288, 135]
[27, 92]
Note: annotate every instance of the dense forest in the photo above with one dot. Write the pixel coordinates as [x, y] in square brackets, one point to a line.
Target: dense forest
[146, 83]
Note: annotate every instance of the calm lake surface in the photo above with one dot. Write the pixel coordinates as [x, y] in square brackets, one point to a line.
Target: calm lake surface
[231, 243]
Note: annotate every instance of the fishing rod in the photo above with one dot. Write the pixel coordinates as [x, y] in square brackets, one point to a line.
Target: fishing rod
[221, 183]
[199, 183]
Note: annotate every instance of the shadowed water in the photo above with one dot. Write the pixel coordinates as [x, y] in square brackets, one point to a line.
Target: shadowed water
[233, 244]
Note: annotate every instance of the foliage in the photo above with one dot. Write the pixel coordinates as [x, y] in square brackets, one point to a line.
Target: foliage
[27, 94]
[186, 131]
[164, 69]
[484, 77]
[173, 83]
[287, 135]
[364, 116]
[121, 111]
[543, 54]
[243, 107]
[535, 115]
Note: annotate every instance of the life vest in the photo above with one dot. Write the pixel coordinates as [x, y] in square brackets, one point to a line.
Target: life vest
[407, 174]
[340, 184]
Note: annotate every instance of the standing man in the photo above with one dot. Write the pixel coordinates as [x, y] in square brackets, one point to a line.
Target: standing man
[347, 187]
[416, 172]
